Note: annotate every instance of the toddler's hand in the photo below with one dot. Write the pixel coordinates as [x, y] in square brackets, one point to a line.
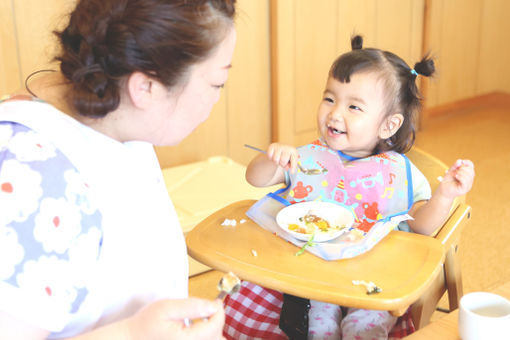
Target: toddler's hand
[458, 180]
[283, 155]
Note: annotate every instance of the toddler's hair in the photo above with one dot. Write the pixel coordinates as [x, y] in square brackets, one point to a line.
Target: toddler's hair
[402, 94]
[107, 40]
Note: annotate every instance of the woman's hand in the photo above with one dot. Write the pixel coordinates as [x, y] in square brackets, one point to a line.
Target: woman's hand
[283, 155]
[458, 180]
[164, 319]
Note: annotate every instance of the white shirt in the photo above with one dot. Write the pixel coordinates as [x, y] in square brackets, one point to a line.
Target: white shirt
[140, 253]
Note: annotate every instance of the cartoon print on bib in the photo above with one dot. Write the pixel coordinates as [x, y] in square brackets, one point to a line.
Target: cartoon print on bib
[374, 188]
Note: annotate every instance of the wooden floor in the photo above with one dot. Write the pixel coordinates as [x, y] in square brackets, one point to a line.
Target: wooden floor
[479, 130]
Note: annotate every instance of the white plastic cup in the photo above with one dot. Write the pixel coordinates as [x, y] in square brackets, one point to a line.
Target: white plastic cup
[483, 316]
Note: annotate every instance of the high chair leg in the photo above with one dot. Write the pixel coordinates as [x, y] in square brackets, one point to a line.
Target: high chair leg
[453, 278]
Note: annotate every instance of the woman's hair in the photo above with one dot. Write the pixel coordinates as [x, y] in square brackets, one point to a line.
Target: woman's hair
[107, 40]
[402, 94]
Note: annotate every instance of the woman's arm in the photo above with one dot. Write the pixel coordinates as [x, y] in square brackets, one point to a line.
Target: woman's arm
[14, 329]
[160, 320]
[430, 215]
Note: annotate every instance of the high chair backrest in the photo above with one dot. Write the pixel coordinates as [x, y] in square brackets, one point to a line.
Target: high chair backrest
[449, 234]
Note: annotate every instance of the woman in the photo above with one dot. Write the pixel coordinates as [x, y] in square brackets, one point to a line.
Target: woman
[90, 244]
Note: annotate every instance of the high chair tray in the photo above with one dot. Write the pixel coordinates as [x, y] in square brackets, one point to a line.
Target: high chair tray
[403, 264]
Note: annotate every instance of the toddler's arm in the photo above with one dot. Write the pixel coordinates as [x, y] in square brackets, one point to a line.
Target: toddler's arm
[430, 215]
[269, 169]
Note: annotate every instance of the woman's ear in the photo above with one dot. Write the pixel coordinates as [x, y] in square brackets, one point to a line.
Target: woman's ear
[391, 125]
[140, 89]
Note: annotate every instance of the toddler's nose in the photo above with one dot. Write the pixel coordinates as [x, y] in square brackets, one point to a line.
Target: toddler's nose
[336, 113]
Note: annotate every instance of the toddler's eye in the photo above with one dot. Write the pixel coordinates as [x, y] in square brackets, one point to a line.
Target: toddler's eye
[354, 107]
[329, 100]
[219, 86]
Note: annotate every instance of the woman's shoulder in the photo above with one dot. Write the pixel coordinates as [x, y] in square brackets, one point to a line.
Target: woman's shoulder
[49, 225]
[32, 153]
[37, 180]
[18, 97]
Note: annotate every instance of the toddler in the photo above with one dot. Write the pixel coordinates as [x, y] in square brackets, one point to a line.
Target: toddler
[366, 122]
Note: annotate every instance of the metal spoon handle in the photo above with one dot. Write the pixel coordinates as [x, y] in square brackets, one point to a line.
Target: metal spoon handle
[221, 295]
[255, 148]
[263, 151]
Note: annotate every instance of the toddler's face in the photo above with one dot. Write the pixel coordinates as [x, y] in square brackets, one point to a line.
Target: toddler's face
[351, 114]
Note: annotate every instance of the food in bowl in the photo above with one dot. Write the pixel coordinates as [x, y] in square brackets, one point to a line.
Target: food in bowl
[313, 223]
[324, 220]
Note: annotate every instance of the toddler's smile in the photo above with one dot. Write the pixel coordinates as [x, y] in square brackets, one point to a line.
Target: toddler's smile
[334, 130]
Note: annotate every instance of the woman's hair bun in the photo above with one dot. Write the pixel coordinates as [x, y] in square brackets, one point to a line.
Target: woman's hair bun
[357, 42]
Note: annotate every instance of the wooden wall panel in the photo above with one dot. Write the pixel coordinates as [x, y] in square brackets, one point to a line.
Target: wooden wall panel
[454, 39]
[309, 35]
[356, 17]
[249, 93]
[26, 41]
[470, 41]
[494, 60]
[35, 21]
[315, 33]
[403, 36]
[283, 78]
[376, 21]
[9, 65]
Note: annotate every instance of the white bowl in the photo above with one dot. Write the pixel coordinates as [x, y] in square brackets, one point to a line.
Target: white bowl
[334, 214]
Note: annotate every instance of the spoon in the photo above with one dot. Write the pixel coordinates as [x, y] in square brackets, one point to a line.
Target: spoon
[303, 170]
[228, 284]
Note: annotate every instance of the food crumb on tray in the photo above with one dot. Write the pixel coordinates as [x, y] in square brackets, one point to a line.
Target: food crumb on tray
[254, 252]
[370, 286]
[229, 222]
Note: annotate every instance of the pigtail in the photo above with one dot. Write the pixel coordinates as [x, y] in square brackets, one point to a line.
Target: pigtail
[425, 66]
[357, 42]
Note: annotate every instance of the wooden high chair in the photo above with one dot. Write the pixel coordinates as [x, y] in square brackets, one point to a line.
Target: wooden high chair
[450, 279]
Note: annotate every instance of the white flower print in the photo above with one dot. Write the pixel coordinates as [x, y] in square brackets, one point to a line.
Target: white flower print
[57, 224]
[20, 191]
[48, 277]
[78, 192]
[83, 256]
[5, 135]
[11, 252]
[30, 146]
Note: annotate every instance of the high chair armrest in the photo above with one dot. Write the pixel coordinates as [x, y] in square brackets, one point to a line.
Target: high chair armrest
[449, 233]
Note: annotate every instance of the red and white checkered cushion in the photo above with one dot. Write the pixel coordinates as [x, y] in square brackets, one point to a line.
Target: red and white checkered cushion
[254, 313]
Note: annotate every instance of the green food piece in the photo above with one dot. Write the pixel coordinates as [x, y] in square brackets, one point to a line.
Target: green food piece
[375, 290]
[309, 243]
